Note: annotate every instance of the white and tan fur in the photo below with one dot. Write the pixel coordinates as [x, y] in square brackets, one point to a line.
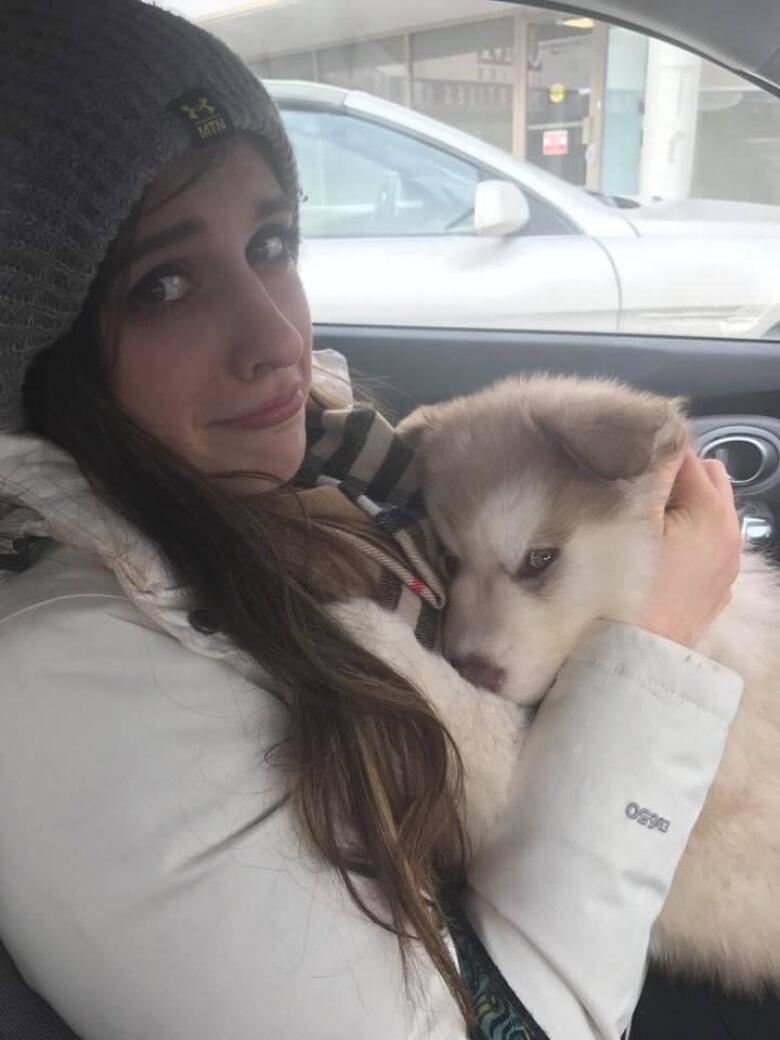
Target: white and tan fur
[570, 464]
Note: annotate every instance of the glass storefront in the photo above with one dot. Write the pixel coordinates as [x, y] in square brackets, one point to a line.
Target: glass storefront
[464, 76]
[559, 72]
[376, 66]
[737, 140]
[580, 99]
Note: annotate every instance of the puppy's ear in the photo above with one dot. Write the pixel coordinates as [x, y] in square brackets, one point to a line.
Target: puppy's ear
[612, 432]
[418, 424]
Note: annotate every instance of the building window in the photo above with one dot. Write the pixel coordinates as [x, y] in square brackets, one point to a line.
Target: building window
[737, 154]
[376, 66]
[463, 75]
[285, 66]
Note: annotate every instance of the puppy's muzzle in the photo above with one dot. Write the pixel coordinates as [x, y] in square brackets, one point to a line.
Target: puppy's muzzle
[481, 672]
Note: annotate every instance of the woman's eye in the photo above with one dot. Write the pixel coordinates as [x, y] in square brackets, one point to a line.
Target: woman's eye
[267, 247]
[450, 565]
[536, 561]
[161, 287]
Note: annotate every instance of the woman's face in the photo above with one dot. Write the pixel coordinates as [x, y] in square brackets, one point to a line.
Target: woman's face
[213, 333]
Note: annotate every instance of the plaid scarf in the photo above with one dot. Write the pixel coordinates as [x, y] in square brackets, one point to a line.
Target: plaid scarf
[376, 506]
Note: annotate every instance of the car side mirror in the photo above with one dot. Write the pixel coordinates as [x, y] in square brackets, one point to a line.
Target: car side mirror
[500, 208]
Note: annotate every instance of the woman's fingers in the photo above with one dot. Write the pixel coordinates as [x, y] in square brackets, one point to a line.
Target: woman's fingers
[718, 474]
[699, 552]
[667, 476]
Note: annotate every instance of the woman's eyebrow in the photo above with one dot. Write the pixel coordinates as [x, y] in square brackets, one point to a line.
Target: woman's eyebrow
[161, 239]
[185, 229]
[273, 204]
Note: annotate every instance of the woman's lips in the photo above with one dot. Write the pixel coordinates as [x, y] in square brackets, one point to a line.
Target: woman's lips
[271, 414]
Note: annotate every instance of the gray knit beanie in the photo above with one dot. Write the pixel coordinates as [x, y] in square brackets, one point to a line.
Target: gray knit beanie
[96, 97]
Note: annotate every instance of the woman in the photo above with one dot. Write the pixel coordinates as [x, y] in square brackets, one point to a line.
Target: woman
[220, 817]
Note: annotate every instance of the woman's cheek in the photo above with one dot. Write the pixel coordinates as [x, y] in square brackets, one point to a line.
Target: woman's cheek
[157, 379]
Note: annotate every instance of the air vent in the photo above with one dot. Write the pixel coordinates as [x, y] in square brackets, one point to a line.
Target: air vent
[748, 459]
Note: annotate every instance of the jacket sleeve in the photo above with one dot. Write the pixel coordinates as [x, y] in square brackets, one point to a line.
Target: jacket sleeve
[565, 892]
[152, 884]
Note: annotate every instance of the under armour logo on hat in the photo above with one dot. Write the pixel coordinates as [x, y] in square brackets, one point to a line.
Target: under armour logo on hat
[203, 115]
[200, 111]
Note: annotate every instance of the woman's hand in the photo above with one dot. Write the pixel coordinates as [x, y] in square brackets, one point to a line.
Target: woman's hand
[700, 549]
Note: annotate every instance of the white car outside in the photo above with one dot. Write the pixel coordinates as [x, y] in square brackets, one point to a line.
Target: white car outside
[404, 224]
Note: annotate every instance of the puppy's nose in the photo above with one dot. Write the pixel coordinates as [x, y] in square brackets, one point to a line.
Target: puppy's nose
[480, 672]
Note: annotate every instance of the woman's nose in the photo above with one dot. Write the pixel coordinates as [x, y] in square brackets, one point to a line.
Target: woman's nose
[263, 328]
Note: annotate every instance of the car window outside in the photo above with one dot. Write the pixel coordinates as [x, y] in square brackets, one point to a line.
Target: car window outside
[651, 170]
[360, 178]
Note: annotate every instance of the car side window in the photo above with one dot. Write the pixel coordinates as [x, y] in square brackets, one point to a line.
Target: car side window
[362, 179]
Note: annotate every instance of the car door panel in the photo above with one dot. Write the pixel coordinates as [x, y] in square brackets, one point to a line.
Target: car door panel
[462, 279]
[684, 285]
[416, 365]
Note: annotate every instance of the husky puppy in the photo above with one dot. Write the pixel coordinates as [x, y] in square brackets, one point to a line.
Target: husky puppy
[540, 491]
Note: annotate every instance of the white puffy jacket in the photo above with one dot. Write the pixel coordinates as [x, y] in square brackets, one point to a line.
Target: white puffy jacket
[152, 886]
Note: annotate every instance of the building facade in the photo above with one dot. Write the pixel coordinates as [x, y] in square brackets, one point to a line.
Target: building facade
[600, 106]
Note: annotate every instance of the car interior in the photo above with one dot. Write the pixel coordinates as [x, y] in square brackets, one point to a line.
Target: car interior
[734, 415]
[733, 391]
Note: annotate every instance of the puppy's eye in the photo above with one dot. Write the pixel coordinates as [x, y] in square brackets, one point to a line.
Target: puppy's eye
[450, 565]
[536, 561]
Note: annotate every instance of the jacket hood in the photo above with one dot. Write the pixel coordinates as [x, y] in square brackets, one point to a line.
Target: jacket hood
[43, 494]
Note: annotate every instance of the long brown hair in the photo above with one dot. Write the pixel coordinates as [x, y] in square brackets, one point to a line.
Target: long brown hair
[375, 781]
